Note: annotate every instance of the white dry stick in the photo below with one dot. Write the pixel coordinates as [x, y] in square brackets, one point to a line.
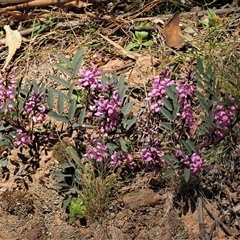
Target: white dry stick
[13, 40]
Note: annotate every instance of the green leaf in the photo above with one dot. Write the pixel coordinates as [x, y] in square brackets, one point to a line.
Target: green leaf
[54, 115]
[67, 165]
[62, 185]
[200, 66]
[168, 174]
[199, 94]
[130, 122]
[170, 92]
[167, 104]
[168, 160]
[75, 157]
[81, 116]
[166, 125]
[77, 209]
[64, 70]
[61, 175]
[61, 81]
[140, 35]
[111, 147]
[166, 113]
[208, 122]
[64, 60]
[24, 93]
[104, 80]
[72, 109]
[67, 201]
[126, 108]
[50, 98]
[70, 91]
[189, 146]
[132, 46]
[120, 83]
[148, 43]
[122, 94]
[203, 104]
[186, 174]
[171, 158]
[34, 85]
[60, 103]
[123, 144]
[3, 162]
[176, 110]
[77, 62]
[5, 127]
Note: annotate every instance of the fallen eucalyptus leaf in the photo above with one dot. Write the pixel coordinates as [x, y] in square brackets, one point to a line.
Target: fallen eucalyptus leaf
[13, 40]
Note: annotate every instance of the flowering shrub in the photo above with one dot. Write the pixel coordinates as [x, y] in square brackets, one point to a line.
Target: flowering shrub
[185, 115]
[183, 112]
[21, 110]
[105, 106]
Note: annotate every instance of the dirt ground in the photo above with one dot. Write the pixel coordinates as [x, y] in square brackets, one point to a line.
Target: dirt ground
[146, 208]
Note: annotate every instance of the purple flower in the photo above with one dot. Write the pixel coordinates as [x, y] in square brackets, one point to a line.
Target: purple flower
[195, 162]
[33, 106]
[107, 106]
[97, 151]
[88, 78]
[223, 117]
[20, 138]
[158, 91]
[7, 94]
[121, 160]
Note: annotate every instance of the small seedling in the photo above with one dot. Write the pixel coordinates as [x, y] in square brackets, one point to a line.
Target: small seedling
[77, 209]
[140, 39]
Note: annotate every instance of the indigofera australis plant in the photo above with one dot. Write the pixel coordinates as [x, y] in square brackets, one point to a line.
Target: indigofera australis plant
[188, 114]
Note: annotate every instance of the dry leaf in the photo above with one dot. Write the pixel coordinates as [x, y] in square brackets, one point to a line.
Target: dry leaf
[173, 32]
[13, 41]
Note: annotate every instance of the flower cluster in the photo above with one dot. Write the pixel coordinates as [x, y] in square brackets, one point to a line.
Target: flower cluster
[88, 78]
[186, 88]
[195, 162]
[7, 94]
[107, 107]
[105, 104]
[97, 151]
[33, 106]
[151, 154]
[20, 138]
[223, 117]
[106, 100]
[158, 91]
[121, 160]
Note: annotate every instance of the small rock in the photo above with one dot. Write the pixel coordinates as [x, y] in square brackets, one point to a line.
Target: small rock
[34, 233]
[142, 198]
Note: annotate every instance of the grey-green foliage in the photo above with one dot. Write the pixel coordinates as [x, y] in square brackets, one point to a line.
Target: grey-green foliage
[69, 178]
[71, 99]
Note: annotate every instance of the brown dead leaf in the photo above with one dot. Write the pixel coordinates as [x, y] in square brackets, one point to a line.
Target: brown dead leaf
[13, 40]
[173, 32]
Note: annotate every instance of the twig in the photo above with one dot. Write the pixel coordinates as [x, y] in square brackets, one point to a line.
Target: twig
[203, 233]
[208, 208]
[214, 225]
[119, 68]
[226, 11]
